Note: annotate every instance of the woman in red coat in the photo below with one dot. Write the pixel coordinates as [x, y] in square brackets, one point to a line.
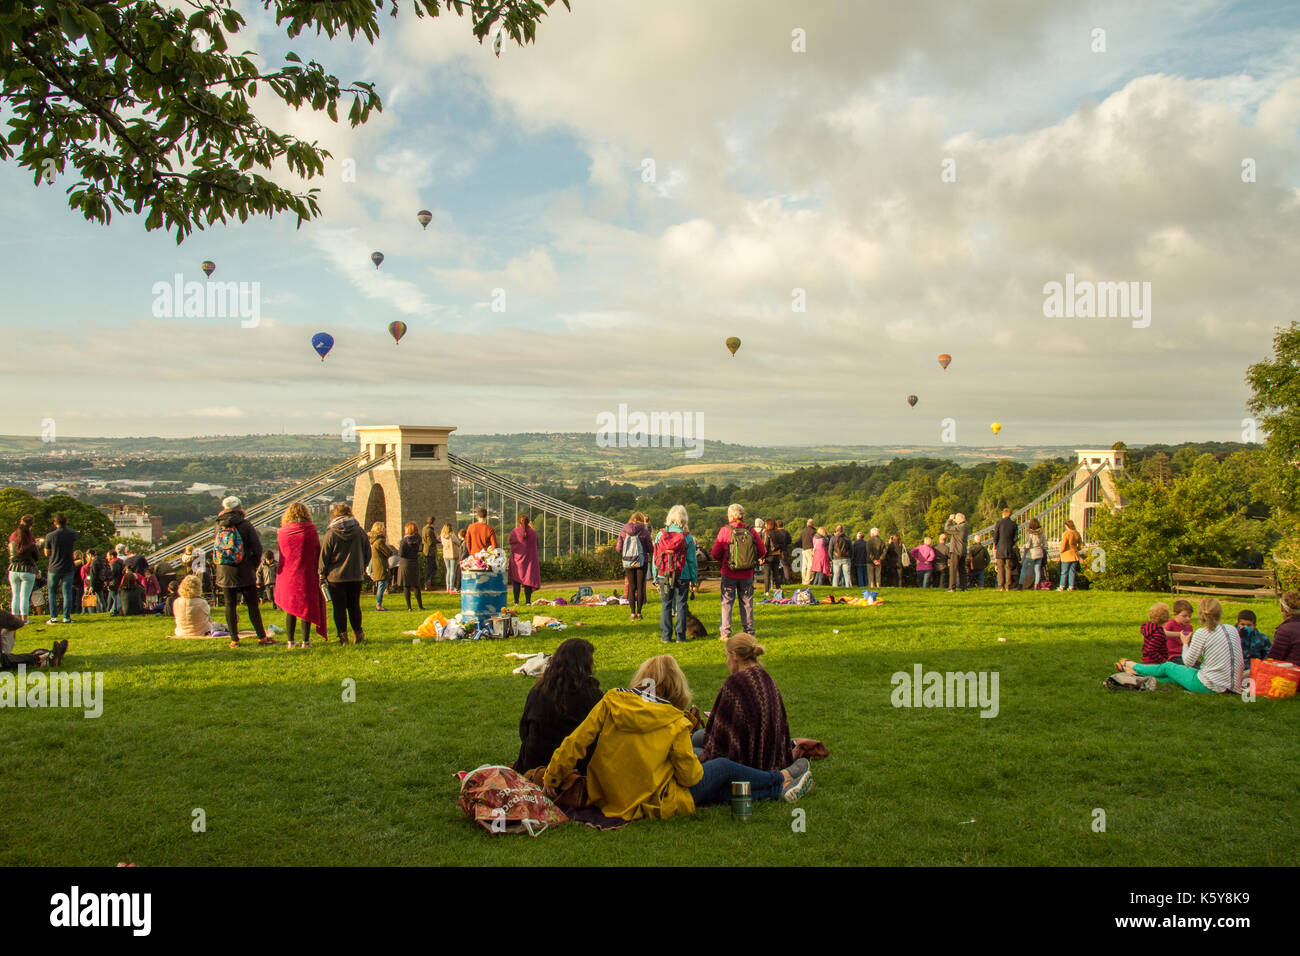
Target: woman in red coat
[297, 581]
[525, 569]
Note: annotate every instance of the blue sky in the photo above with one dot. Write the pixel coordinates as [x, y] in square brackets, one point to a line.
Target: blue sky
[775, 170]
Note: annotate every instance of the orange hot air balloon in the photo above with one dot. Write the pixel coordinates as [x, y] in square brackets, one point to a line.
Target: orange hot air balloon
[944, 359]
[397, 330]
[733, 343]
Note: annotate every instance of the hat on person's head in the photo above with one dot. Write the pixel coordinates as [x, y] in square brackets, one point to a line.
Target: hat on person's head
[230, 503]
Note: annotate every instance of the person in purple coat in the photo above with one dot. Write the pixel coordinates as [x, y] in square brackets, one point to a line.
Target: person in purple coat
[636, 560]
[923, 555]
[525, 568]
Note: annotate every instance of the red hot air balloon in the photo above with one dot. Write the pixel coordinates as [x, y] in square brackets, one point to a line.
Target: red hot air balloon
[425, 218]
[397, 330]
[944, 359]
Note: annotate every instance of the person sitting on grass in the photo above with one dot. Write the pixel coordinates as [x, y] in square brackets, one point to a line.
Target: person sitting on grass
[643, 764]
[1211, 659]
[1178, 630]
[173, 592]
[1154, 647]
[1286, 639]
[748, 723]
[41, 657]
[1254, 643]
[192, 614]
[557, 703]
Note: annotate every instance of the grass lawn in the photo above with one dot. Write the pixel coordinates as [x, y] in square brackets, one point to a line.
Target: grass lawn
[287, 773]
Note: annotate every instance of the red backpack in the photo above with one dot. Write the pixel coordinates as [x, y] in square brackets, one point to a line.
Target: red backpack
[670, 556]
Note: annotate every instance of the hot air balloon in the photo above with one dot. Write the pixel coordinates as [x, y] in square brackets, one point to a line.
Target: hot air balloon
[944, 359]
[425, 218]
[911, 400]
[733, 343]
[397, 330]
[376, 258]
[322, 342]
[996, 427]
[208, 267]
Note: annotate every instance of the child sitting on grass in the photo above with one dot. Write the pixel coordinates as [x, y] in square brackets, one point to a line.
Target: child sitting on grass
[1179, 624]
[1254, 643]
[1155, 649]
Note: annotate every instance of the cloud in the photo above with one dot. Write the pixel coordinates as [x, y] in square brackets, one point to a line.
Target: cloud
[218, 411]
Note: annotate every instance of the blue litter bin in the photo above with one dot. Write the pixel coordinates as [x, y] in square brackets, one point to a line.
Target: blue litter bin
[482, 594]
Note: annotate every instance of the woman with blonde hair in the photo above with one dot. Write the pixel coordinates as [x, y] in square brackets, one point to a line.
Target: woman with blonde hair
[821, 557]
[408, 564]
[748, 722]
[451, 555]
[296, 589]
[643, 764]
[192, 614]
[1212, 659]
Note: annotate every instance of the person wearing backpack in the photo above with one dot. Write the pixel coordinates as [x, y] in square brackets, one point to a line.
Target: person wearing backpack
[236, 554]
[739, 553]
[841, 558]
[635, 545]
[675, 571]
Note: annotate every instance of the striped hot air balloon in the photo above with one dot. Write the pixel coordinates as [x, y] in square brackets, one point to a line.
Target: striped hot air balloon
[397, 330]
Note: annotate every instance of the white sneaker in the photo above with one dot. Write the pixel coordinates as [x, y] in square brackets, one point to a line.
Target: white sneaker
[53, 620]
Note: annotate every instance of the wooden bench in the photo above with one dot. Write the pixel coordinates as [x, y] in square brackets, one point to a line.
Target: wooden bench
[1233, 582]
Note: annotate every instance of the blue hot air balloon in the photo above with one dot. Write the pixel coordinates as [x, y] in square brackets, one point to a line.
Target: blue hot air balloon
[322, 342]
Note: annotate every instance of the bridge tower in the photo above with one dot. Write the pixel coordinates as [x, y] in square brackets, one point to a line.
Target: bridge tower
[417, 483]
[1101, 489]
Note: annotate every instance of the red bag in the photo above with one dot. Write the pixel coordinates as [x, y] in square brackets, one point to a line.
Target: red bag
[670, 556]
[1276, 679]
[502, 800]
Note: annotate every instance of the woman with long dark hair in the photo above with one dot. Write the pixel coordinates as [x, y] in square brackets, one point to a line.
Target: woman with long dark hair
[408, 564]
[24, 556]
[557, 704]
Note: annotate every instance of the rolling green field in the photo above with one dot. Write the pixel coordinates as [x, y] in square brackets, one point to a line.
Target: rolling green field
[286, 772]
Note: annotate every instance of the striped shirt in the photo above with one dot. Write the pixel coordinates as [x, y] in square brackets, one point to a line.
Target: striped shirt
[1218, 653]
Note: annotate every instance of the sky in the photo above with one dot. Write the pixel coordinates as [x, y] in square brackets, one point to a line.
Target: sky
[613, 202]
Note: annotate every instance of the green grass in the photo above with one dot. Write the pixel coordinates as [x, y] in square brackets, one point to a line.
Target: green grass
[288, 773]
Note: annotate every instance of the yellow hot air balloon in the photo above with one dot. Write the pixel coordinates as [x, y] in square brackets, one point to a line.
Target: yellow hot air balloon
[996, 427]
[733, 343]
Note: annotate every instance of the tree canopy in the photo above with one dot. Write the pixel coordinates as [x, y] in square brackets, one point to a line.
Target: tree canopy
[146, 105]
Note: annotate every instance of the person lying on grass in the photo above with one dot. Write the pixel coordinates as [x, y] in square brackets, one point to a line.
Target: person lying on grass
[1212, 661]
[41, 657]
[557, 703]
[643, 764]
[748, 723]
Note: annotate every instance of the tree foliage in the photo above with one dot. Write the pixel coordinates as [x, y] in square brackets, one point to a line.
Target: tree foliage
[146, 103]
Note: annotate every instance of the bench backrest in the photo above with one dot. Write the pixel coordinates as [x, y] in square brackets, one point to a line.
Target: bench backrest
[1236, 582]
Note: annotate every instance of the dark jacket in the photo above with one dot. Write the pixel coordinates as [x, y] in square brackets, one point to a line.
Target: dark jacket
[1286, 642]
[806, 539]
[978, 556]
[940, 555]
[543, 727]
[876, 548]
[99, 574]
[344, 552]
[841, 546]
[647, 543]
[243, 574]
[1004, 538]
[893, 555]
[956, 532]
[431, 540]
[859, 551]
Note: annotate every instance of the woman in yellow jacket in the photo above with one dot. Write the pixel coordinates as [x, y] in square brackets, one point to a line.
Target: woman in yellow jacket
[643, 764]
[1071, 542]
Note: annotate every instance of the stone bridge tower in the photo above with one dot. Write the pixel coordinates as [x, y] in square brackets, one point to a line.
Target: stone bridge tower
[1100, 490]
[414, 485]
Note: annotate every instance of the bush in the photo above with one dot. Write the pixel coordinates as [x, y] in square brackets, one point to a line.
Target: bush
[602, 564]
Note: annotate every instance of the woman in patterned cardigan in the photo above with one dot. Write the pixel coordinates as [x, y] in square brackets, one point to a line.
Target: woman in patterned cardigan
[748, 722]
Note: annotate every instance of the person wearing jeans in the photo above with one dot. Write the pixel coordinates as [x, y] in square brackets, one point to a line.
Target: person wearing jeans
[1071, 543]
[737, 583]
[59, 546]
[24, 556]
[673, 600]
